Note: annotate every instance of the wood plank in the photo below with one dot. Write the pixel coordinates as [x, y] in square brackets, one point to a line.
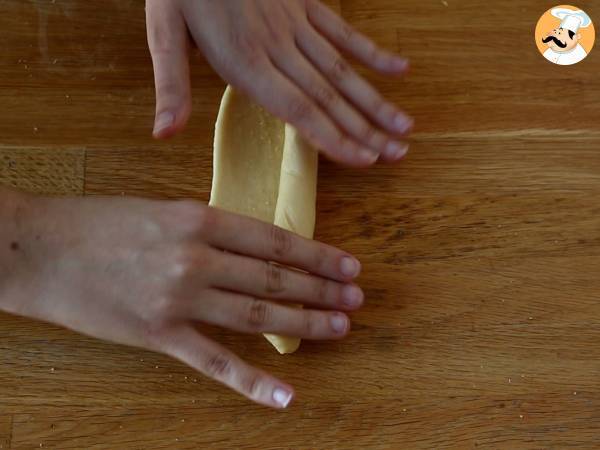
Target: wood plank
[480, 251]
[439, 164]
[150, 171]
[6, 423]
[43, 170]
[465, 76]
[422, 330]
[465, 226]
[72, 88]
[519, 423]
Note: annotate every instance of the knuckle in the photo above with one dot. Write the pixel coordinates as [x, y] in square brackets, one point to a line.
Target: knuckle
[321, 290]
[251, 385]
[380, 58]
[339, 69]
[247, 46]
[314, 8]
[343, 144]
[274, 278]
[373, 52]
[281, 241]
[347, 33]
[308, 324]
[160, 38]
[326, 96]
[367, 133]
[274, 32]
[154, 332]
[186, 216]
[218, 366]
[205, 219]
[299, 110]
[182, 262]
[169, 91]
[381, 108]
[339, 146]
[321, 257]
[253, 60]
[158, 309]
[258, 315]
[189, 263]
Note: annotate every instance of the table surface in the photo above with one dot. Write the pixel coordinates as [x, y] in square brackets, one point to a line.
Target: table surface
[481, 251]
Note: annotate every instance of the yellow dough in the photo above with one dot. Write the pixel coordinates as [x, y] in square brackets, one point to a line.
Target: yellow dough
[262, 168]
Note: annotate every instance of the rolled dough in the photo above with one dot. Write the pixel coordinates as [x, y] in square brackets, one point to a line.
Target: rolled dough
[262, 168]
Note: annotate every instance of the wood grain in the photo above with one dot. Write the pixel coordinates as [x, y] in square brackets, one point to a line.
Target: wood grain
[481, 251]
[51, 171]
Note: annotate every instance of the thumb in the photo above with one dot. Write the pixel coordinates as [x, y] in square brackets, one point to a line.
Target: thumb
[169, 46]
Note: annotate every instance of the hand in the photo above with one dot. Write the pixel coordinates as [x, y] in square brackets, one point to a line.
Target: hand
[149, 273]
[286, 56]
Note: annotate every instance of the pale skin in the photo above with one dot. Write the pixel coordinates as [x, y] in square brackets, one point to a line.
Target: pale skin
[287, 56]
[151, 273]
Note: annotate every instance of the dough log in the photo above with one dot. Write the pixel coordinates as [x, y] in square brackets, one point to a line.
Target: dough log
[262, 168]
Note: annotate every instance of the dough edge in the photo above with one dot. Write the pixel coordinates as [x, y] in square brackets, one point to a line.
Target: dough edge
[295, 208]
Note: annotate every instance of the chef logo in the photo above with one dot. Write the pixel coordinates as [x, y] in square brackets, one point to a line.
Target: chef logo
[565, 35]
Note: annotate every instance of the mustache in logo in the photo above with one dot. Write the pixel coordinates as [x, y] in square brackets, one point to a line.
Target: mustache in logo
[556, 41]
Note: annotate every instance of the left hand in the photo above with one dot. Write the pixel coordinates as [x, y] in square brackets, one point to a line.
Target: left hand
[150, 273]
[286, 56]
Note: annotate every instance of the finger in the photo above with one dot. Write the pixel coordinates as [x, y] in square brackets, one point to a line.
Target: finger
[269, 280]
[303, 73]
[284, 99]
[328, 60]
[252, 315]
[346, 38]
[218, 363]
[248, 69]
[261, 240]
[169, 46]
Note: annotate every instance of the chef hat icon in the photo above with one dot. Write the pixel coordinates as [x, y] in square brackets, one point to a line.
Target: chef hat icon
[572, 19]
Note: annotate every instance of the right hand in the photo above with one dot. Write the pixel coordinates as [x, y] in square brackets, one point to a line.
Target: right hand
[148, 273]
[286, 56]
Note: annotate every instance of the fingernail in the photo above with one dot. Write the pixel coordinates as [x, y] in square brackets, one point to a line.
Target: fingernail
[163, 121]
[368, 156]
[282, 397]
[349, 267]
[395, 150]
[402, 123]
[399, 64]
[338, 323]
[352, 296]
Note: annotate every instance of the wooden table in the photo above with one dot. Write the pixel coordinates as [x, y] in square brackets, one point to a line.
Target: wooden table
[481, 251]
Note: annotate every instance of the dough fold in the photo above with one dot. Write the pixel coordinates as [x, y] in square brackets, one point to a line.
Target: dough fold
[262, 168]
